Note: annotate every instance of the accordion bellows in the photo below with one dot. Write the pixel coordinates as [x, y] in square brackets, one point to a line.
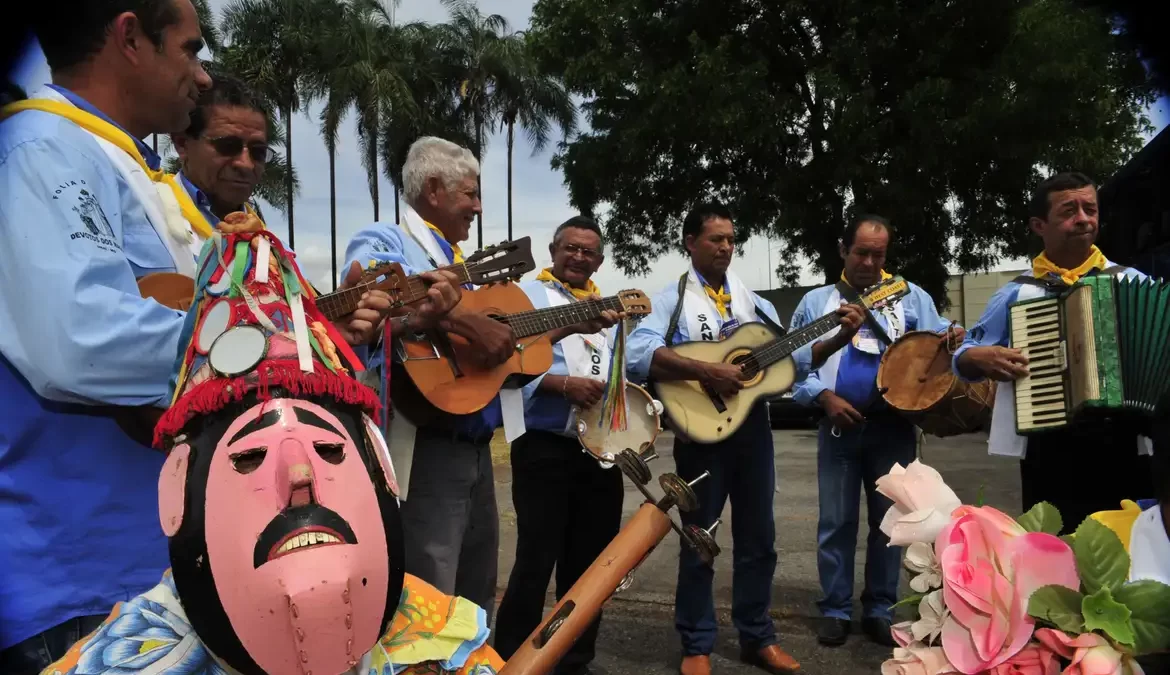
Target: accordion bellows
[1101, 348]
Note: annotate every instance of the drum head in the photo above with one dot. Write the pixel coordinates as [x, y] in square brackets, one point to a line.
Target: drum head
[642, 426]
[214, 322]
[238, 350]
[221, 285]
[916, 370]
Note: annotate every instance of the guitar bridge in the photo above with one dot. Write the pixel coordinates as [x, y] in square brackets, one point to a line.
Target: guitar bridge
[716, 399]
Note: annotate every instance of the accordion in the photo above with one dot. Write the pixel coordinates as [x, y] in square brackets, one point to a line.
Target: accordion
[1101, 348]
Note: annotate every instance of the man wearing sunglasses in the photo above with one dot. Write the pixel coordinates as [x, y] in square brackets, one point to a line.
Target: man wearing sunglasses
[224, 151]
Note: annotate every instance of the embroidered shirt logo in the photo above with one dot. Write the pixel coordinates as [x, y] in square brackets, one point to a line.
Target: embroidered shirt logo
[93, 224]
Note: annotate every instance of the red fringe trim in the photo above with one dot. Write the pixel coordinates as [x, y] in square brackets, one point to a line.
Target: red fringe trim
[215, 394]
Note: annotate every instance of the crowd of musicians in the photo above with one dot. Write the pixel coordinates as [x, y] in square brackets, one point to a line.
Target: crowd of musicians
[86, 211]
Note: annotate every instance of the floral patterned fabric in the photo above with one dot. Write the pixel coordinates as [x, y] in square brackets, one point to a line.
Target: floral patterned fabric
[431, 634]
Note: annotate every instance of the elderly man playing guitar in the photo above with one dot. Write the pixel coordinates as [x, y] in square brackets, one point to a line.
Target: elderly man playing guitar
[861, 437]
[706, 304]
[449, 512]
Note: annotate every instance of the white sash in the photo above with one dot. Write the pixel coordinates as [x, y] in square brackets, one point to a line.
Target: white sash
[1149, 547]
[894, 316]
[157, 199]
[585, 355]
[417, 229]
[1002, 439]
[702, 314]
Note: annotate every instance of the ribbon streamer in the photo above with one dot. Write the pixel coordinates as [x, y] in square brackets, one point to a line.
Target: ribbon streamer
[614, 406]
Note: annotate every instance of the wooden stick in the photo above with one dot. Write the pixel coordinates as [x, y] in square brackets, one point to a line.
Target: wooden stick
[541, 652]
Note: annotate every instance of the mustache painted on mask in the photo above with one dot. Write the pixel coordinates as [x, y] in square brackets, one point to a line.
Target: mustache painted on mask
[307, 526]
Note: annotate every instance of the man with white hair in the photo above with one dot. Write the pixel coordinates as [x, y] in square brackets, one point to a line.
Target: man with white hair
[449, 509]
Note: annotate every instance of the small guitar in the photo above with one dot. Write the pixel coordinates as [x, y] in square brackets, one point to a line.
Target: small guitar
[439, 367]
[703, 416]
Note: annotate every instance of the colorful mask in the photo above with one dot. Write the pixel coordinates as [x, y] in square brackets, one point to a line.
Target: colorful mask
[278, 495]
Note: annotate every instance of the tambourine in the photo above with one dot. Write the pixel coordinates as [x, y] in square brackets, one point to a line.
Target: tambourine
[643, 424]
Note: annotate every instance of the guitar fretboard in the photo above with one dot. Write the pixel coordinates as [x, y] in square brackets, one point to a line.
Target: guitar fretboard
[781, 347]
[339, 303]
[538, 321]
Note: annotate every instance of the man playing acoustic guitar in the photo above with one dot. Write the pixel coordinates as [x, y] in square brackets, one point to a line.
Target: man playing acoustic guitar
[568, 508]
[706, 304]
[861, 437]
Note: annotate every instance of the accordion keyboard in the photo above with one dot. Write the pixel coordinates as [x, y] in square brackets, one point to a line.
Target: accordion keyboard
[1041, 398]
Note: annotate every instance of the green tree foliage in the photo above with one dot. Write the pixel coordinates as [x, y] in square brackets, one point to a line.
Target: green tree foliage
[800, 113]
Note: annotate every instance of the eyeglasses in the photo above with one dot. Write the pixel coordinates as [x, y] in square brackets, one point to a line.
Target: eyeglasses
[587, 253]
[232, 146]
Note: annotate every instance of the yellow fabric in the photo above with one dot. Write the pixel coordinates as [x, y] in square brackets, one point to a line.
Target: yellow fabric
[721, 298]
[1042, 266]
[431, 626]
[456, 252]
[109, 132]
[579, 293]
[1121, 522]
[885, 275]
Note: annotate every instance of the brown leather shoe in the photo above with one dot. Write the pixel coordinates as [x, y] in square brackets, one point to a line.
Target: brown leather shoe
[696, 664]
[772, 659]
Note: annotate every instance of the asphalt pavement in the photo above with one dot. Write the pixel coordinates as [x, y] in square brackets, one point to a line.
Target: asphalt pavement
[637, 633]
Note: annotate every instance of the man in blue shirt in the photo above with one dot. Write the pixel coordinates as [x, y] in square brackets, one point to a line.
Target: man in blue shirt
[1088, 466]
[568, 508]
[706, 304]
[860, 437]
[78, 498]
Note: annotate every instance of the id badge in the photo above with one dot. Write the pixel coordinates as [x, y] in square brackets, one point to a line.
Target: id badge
[865, 341]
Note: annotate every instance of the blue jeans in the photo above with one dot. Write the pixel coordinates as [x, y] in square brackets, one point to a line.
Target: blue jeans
[742, 468]
[844, 466]
[40, 651]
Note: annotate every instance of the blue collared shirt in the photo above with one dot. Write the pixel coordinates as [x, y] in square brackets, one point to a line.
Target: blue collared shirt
[857, 371]
[202, 202]
[75, 332]
[386, 242]
[148, 153]
[544, 411]
[992, 328]
[650, 335]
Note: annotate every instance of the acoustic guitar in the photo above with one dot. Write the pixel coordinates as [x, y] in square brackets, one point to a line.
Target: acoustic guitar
[441, 370]
[502, 262]
[698, 413]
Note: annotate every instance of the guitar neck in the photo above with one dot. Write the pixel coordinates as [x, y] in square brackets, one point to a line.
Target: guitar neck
[778, 349]
[339, 303]
[539, 321]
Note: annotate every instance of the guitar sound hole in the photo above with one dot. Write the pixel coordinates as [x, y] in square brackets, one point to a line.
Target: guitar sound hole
[750, 366]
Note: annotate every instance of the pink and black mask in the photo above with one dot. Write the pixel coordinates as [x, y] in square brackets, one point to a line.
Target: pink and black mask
[285, 537]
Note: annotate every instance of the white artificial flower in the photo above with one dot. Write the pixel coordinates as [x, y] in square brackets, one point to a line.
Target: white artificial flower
[924, 566]
[932, 613]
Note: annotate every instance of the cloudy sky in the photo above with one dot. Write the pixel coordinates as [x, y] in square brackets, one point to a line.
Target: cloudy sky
[540, 200]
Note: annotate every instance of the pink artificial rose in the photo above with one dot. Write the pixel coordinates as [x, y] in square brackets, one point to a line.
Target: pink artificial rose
[1090, 654]
[916, 659]
[922, 503]
[990, 569]
[1035, 659]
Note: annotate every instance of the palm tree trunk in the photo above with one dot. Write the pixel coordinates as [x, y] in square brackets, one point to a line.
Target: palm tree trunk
[288, 180]
[374, 168]
[511, 136]
[479, 178]
[154, 143]
[397, 216]
[333, 215]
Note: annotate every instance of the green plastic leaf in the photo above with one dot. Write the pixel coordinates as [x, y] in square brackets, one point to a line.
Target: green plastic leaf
[1059, 606]
[1042, 517]
[1149, 604]
[979, 496]
[1103, 613]
[909, 600]
[1101, 559]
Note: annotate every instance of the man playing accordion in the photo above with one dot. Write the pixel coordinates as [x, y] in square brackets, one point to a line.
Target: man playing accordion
[1079, 468]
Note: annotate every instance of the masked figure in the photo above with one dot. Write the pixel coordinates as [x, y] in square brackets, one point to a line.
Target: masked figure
[279, 502]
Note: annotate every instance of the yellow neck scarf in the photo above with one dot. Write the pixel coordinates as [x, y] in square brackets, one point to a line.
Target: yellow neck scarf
[109, 132]
[1042, 266]
[579, 293]
[721, 299]
[456, 253]
[884, 274]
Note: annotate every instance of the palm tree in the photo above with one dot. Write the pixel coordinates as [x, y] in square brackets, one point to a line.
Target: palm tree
[271, 44]
[474, 47]
[534, 100]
